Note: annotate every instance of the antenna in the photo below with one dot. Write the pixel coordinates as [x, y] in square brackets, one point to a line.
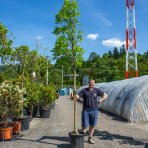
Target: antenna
[131, 51]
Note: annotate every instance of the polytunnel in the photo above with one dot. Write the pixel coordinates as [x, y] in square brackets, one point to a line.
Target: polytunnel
[126, 98]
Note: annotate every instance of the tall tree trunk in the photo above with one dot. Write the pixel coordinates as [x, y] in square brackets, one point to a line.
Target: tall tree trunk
[75, 103]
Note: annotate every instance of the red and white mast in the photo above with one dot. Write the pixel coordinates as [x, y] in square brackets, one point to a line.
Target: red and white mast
[131, 52]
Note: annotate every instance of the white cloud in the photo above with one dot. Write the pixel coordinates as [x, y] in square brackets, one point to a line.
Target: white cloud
[38, 37]
[114, 42]
[92, 36]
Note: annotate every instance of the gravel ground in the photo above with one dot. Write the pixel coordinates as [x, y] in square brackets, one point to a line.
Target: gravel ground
[111, 131]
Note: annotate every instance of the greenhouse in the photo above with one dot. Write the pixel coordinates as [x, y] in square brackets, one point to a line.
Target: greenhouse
[127, 98]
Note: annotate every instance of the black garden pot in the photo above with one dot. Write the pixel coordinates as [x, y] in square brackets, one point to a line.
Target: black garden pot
[25, 122]
[76, 141]
[35, 111]
[45, 113]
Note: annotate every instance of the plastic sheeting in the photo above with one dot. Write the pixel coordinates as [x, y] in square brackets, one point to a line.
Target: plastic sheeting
[126, 98]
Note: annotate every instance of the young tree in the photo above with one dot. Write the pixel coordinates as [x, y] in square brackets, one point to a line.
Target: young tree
[21, 54]
[5, 45]
[116, 53]
[122, 51]
[69, 37]
[92, 56]
[110, 54]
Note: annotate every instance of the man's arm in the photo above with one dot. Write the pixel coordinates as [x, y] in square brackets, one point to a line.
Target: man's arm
[103, 98]
[74, 96]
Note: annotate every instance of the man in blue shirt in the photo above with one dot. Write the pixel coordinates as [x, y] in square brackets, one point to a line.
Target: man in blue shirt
[90, 107]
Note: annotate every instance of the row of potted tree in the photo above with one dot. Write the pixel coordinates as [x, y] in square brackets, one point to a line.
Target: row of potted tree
[26, 73]
[14, 100]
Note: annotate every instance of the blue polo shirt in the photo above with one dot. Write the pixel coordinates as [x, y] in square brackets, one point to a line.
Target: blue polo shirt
[90, 98]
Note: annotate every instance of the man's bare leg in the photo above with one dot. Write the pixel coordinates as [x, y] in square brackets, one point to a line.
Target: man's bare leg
[84, 130]
[91, 132]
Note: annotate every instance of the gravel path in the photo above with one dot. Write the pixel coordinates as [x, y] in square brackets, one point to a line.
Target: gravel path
[111, 131]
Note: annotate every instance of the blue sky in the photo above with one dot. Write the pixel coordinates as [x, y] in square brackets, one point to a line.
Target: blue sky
[102, 23]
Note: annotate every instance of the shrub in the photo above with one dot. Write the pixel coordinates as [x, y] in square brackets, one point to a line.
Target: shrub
[11, 100]
[47, 96]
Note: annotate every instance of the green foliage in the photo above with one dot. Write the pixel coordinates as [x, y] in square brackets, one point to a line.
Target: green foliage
[32, 95]
[21, 62]
[68, 35]
[47, 96]
[42, 61]
[5, 45]
[110, 54]
[92, 56]
[116, 53]
[11, 100]
[122, 51]
[111, 66]
[55, 76]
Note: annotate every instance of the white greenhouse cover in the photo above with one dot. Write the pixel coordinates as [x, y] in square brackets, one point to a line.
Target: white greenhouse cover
[126, 98]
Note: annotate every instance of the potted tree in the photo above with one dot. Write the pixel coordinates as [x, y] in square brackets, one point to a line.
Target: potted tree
[47, 97]
[67, 46]
[5, 129]
[32, 98]
[11, 103]
[24, 119]
[20, 116]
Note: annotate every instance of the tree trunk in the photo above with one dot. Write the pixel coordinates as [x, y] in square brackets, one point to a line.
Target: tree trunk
[75, 104]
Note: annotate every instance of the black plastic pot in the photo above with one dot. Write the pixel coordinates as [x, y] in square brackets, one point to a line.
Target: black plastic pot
[35, 112]
[76, 141]
[25, 122]
[45, 113]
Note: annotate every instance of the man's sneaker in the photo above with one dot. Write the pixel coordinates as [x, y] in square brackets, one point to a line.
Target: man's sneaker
[90, 140]
[81, 132]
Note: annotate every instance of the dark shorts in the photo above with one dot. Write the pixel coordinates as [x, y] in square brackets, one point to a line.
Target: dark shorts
[89, 118]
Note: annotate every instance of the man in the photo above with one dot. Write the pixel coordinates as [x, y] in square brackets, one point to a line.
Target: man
[90, 107]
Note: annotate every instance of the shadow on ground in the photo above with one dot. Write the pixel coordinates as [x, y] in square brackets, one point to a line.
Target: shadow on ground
[64, 146]
[114, 116]
[104, 135]
[49, 140]
[146, 145]
[64, 139]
